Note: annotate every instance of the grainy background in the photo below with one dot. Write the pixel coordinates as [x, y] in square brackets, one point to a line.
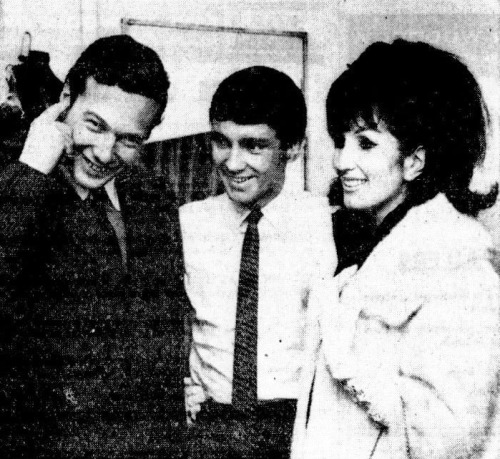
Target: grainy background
[338, 30]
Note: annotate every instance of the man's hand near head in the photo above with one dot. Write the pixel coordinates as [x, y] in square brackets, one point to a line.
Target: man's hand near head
[48, 139]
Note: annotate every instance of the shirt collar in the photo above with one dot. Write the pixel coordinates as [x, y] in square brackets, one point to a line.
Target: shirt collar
[110, 191]
[271, 212]
[83, 193]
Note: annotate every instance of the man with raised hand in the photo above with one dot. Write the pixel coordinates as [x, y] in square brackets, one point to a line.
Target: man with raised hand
[251, 257]
[91, 293]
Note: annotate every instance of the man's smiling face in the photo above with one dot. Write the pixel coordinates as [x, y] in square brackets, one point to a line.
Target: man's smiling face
[250, 162]
[109, 127]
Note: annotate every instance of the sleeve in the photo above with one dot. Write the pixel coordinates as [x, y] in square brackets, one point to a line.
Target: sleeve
[449, 367]
[176, 293]
[24, 194]
[430, 381]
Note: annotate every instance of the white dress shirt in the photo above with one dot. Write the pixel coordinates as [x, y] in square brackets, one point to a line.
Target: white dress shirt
[296, 249]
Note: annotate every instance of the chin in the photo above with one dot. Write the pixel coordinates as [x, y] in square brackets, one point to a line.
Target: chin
[239, 198]
[353, 204]
[241, 202]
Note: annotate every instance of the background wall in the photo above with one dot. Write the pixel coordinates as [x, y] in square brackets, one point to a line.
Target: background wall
[338, 30]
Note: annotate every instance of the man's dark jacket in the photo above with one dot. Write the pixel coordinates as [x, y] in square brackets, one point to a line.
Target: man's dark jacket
[91, 352]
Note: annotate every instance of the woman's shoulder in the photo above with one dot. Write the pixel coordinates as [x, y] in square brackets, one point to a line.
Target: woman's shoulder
[434, 233]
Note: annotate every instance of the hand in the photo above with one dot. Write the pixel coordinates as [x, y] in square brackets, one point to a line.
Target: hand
[194, 396]
[48, 138]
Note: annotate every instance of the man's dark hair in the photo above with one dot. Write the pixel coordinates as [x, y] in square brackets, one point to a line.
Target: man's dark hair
[121, 61]
[262, 95]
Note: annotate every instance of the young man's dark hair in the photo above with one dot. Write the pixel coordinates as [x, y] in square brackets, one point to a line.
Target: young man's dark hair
[121, 61]
[262, 95]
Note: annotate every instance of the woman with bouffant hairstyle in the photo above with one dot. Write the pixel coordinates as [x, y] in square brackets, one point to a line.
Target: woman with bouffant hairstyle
[404, 339]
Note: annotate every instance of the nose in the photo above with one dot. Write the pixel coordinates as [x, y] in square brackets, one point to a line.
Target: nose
[234, 161]
[105, 149]
[344, 158]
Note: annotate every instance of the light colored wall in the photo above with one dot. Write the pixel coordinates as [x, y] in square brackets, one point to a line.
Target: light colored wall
[337, 29]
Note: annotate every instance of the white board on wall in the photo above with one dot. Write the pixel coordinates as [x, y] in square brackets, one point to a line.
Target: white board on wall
[197, 58]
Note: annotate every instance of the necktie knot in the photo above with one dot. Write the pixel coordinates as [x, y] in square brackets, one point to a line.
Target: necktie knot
[254, 216]
[98, 196]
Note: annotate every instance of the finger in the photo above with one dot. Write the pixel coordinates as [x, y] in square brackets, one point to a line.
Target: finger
[68, 147]
[67, 134]
[54, 111]
[198, 398]
[195, 410]
[188, 381]
[191, 390]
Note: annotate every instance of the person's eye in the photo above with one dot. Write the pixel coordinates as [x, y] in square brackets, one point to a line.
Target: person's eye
[94, 125]
[219, 142]
[365, 143]
[131, 143]
[254, 146]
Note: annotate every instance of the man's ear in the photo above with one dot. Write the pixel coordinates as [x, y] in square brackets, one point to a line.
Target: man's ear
[414, 164]
[295, 150]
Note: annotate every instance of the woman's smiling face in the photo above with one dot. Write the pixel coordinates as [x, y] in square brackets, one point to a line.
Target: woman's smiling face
[371, 169]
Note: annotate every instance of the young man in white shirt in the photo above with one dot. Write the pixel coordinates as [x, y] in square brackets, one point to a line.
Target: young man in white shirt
[258, 120]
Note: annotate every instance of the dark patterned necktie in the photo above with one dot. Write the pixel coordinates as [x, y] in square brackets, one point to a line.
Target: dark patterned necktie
[110, 220]
[244, 396]
[98, 199]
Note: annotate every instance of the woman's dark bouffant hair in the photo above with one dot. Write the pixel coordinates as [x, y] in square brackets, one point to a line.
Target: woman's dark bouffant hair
[427, 98]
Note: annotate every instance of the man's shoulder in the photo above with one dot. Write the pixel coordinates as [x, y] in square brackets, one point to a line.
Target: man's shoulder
[307, 200]
[205, 210]
[305, 206]
[144, 187]
[20, 179]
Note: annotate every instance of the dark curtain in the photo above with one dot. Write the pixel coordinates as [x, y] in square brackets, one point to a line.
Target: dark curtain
[187, 165]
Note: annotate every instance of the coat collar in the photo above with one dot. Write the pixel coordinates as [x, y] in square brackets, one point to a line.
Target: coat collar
[429, 242]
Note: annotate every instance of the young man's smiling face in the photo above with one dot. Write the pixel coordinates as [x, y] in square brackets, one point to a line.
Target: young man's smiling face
[250, 160]
[109, 127]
